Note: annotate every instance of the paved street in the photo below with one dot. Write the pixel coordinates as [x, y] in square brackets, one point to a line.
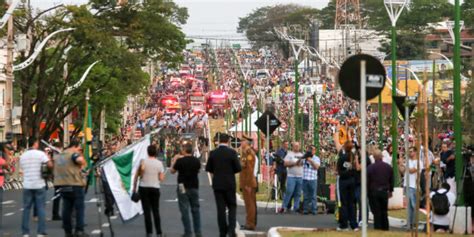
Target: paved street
[171, 222]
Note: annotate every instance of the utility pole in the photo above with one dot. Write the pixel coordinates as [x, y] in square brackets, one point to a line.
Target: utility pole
[66, 116]
[9, 80]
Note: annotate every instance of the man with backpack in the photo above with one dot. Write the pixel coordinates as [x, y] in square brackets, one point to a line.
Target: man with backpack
[441, 201]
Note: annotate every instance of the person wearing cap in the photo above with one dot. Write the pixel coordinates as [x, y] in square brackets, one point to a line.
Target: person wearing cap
[311, 163]
[223, 164]
[248, 183]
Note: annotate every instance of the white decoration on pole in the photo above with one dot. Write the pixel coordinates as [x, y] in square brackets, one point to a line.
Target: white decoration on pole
[394, 9]
[83, 78]
[37, 51]
[450, 26]
[9, 13]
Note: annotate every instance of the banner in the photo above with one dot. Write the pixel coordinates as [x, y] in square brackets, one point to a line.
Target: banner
[119, 172]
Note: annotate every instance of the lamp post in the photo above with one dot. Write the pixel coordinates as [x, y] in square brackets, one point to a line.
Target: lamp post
[394, 9]
[296, 46]
[457, 101]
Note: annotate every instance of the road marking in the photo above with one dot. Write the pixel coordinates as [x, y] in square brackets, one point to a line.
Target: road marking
[172, 200]
[113, 217]
[95, 232]
[8, 202]
[10, 214]
[92, 200]
[105, 225]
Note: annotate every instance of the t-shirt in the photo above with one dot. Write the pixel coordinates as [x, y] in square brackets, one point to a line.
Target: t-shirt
[2, 171]
[30, 163]
[188, 168]
[443, 219]
[412, 164]
[152, 168]
[450, 170]
[295, 171]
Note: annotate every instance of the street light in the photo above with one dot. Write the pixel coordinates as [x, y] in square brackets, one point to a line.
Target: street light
[296, 46]
[394, 9]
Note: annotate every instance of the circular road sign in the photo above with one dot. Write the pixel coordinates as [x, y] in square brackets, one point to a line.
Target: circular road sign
[349, 76]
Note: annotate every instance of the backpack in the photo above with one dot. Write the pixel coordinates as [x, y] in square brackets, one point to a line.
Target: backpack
[440, 203]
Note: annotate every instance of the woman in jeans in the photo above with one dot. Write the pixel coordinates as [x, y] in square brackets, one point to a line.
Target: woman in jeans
[150, 173]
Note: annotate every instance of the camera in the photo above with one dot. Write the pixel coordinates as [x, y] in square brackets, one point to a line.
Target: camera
[277, 159]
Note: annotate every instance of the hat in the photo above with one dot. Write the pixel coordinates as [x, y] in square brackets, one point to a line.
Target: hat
[249, 139]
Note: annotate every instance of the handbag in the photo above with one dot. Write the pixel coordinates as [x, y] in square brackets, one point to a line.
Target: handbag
[135, 197]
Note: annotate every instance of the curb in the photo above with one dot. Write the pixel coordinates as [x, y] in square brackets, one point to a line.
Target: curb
[273, 232]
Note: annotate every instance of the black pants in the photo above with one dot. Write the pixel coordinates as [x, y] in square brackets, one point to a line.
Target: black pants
[282, 182]
[226, 199]
[378, 200]
[347, 211]
[56, 203]
[150, 198]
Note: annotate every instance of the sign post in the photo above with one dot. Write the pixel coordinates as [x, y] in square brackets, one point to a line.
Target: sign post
[368, 86]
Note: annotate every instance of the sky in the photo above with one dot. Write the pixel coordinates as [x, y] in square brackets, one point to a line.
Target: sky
[208, 17]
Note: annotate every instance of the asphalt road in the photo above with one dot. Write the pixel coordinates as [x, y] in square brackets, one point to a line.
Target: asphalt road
[170, 216]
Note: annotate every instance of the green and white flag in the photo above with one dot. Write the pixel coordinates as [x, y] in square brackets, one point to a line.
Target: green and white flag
[119, 172]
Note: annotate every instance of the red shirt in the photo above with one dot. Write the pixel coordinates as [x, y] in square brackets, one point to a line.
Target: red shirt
[2, 172]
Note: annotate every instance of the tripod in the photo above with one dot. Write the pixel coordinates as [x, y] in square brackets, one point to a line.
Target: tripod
[459, 192]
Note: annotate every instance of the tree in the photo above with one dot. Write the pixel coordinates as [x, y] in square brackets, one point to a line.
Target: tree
[412, 25]
[259, 25]
[122, 39]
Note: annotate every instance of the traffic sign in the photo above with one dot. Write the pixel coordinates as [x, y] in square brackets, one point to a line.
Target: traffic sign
[261, 122]
[349, 76]
[400, 102]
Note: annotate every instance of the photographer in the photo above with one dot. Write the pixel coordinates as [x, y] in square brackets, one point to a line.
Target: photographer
[294, 163]
[311, 165]
[279, 167]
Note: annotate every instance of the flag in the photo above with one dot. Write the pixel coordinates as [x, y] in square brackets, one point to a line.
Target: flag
[119, 172]
[87, 130]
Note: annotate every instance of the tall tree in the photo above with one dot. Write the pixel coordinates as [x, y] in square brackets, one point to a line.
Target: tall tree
[123, 39]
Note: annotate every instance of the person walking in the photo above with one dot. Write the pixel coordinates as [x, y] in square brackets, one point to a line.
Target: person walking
[380, 187]
[70, 181]
[150, 173]
[223, 164]
[3, 169]
[410, 180]
[34, 192]
[347, 164]
[294, 182]
[248, 184]
[57, 194]
[187, 167]
[311, 165]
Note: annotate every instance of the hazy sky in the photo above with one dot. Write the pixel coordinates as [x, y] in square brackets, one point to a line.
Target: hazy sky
[208, 17]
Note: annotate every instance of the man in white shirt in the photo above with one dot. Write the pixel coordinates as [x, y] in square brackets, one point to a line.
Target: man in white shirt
[441, 222]
[34, 187]
[410, 181]
[294, 182]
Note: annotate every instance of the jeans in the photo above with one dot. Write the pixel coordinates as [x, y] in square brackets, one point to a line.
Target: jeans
[189, 202]
[411, 206]
[73, 198]
[150, 198]
[347, 196]
[309, 195]
[293, 189]
[36, 198]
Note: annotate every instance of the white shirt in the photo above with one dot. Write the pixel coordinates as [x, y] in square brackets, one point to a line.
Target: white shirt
[30, 163]
[443, 220]
[412, 176]
[387, 158]
[295, 171]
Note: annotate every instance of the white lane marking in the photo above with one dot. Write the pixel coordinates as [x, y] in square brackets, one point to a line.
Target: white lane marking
[92, 200]
[172, 200]
[48, 202]
[8, 202]
[105, 225]
[113, 217]
[209, 178]
[9, 214]
[95, 232]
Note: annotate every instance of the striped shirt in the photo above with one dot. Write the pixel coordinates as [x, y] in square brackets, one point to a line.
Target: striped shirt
[310, 173]
[30, 163]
